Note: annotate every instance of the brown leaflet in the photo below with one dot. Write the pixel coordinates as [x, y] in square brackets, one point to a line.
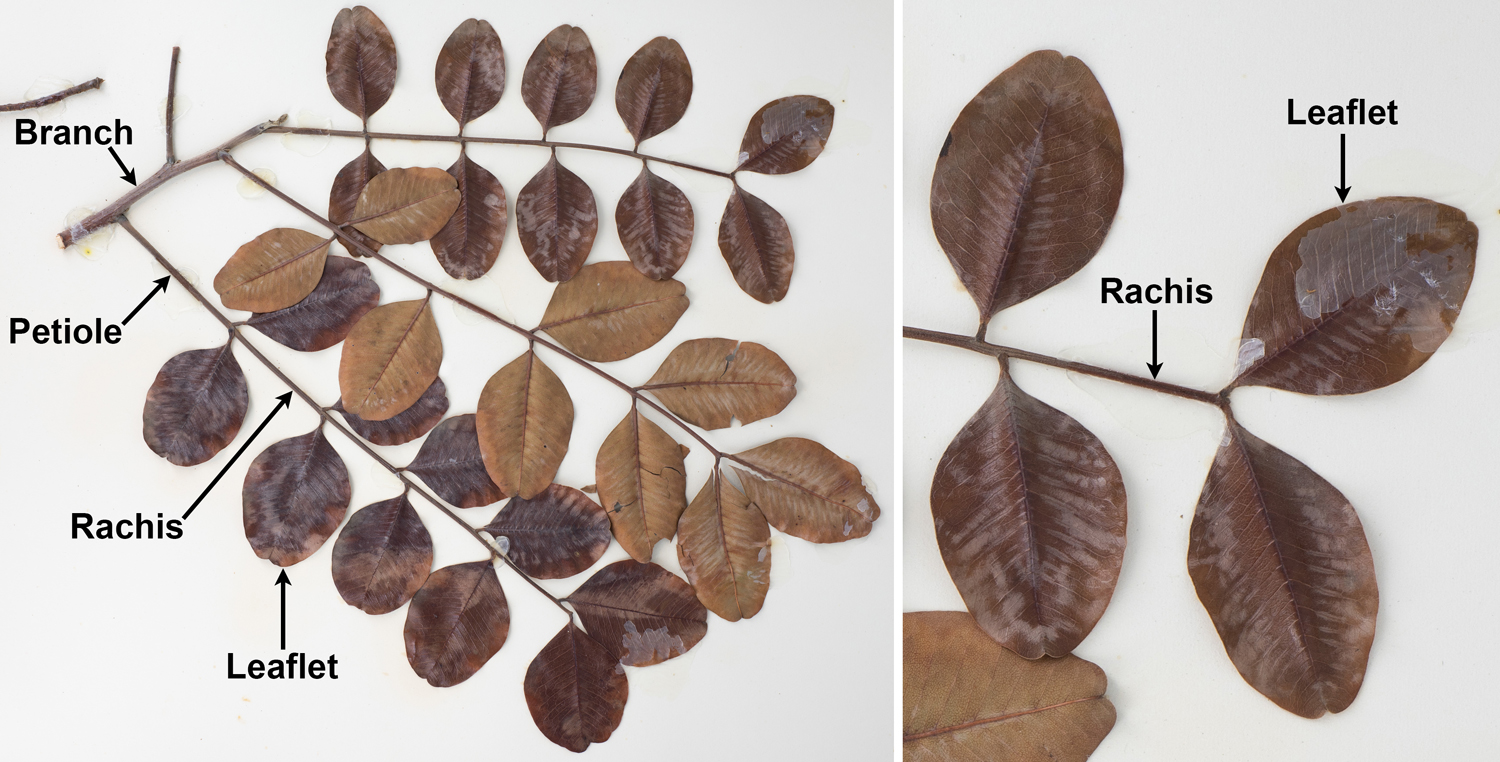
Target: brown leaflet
[195, 406]
[560, 78]
[556, 220]
[557, 534]
[343, 296]
[966, 697]
[295, 495]
[609, 311]
[654, 88]
[347, 185]
[455, 623]
[655, 221]
[390, 359]
[757, 244]
[524, 423]
[406, 425]
[275, 271]
[805, 490]
[1358, 297]
[641, 612]
[406, 204]
[471, 71]
[382, 557]
[724, 547]
[1280, 562]
[709, 382]
[451, 464]
[1030, 516]
[468, 245]
[642, 482]
[785, 135]
[1028, 181]
[576, 690]
[361, 61]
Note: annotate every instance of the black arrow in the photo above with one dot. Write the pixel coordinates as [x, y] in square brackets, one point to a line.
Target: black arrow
[286, 401]
[1154, 366]
[161, 287]
[129, 175]
[283, 582]
[1341, 187]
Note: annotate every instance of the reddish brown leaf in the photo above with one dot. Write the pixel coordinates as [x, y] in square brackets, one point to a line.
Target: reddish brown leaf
[554, 535]
[642, 483]
[382, 557]
[724, 547]
[295, 495]
[655, 220]
[524, 422]
[1358, 297]
[1028, 181]
[451, 464]
[343, 296]
[361, 61]
[576, 690]
[642, 613]
[557, 220]
[455, 623]
[471, 71]
[1030, 516]
[390, 359]
[609, 311]
[710, 382]
[805, 490]
[406, 425]
[347, 185]
[654, 88]
[406, 204]
[560, 78]
[757, 244]
[785, 135]
[275, 271]
[1280, 561]
[469, 244]
[195, 406]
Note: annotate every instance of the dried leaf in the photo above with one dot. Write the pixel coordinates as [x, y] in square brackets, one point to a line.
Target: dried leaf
[195, 406]
[361, 61]
[1030, 516]
[785, 135]
[556, 220]
[343, 296]
[275, 271]
[406, 204]
[560, 78]
[724, 547]
[390, 359]
[524, 422]
[642, 484]
[805, 490]
[1358, 297]
[965, 697]
[469, 243]
[757, 244]
[295, 495]
[641, 612]
[382, 557]
[708, 382]
[471, 71]
[347, 185]
[1280, 561]
[455, 623]
[654, 88]
[557, 534]
[576, 690]
[451, 464]
[406, 425]
[1028, 181]
[609, 311]
[655, 220]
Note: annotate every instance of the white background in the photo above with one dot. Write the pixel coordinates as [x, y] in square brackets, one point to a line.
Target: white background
[117, 649]
[1214, 179]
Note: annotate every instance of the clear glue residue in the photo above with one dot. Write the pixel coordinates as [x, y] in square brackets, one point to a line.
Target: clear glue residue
[94, 244]
[308, 145]
[43, 87]
[250, 189]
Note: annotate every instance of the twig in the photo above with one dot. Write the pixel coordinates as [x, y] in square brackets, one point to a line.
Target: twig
[171, 107]
[55, 97]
